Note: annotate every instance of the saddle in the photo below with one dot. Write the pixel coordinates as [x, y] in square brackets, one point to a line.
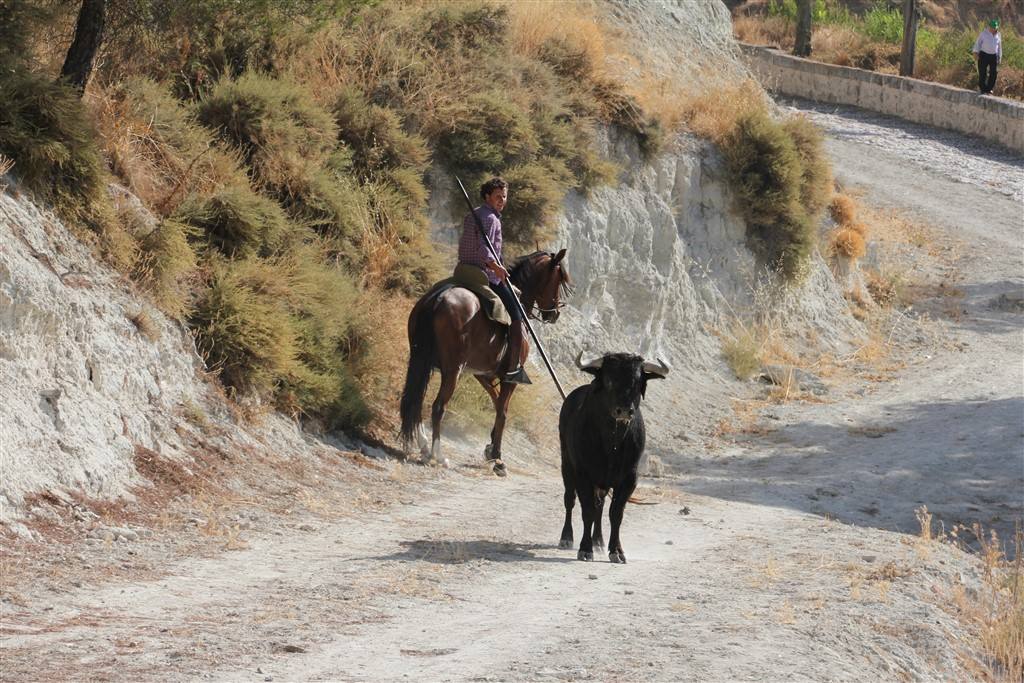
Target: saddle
[474, 279]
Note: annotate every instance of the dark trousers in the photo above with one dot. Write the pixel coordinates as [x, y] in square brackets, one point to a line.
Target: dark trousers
[987, 65]
[504, 292]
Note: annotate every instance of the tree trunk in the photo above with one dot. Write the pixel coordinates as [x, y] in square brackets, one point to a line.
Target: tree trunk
[803, 28]
[88, 37]
[909, 37]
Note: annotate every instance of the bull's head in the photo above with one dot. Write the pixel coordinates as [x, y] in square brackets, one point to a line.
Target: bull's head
[620, 381]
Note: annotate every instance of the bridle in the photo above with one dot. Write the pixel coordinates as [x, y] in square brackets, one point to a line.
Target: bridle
[558, 303]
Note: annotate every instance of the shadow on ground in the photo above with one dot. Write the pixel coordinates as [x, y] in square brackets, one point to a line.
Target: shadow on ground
[441, 551]
[964, 460]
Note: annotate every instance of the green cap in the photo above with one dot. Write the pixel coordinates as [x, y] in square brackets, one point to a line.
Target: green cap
[994, 23]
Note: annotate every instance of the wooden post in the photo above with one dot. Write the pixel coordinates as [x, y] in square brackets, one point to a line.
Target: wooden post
[802, 48]
[909, 37]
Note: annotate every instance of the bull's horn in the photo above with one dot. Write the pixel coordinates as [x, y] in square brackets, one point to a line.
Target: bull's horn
[659, 368]
[593, 363]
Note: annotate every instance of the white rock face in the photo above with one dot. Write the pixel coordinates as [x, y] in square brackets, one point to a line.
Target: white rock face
[80, 385]
[660, 264]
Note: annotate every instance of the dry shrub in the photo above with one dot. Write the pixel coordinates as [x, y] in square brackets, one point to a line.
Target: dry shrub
[44, 129]
[237, 221]
[838, 44]
[996, 611]
[156, 147]
[144, 324]
[165, 264]
[536, 27]
[816, 176]
[843, 209]
[761, 30]
[847, 243]
[713, 114]
[766, 174]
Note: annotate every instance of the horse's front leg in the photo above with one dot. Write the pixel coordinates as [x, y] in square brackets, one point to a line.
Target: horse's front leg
[449, 380]
[500, 414]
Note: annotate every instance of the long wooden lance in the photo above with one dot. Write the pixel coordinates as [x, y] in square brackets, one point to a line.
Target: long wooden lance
[519, 304]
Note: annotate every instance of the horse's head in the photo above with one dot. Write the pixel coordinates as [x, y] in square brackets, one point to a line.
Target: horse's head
[544, 280]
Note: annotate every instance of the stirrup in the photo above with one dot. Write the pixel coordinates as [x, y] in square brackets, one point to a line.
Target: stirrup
[517, 376]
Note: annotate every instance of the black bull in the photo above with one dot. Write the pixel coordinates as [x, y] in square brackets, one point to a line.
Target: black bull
[602, 438]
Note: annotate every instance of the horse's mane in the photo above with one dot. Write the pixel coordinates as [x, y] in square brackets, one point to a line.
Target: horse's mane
[525, 267]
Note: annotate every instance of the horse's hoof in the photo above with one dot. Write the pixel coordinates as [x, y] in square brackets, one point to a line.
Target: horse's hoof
[565, 543]
[617, 557]
[498, 467]
[443, 462]
[585, 555]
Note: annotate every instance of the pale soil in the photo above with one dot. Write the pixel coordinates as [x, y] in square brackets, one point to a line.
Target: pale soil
[798, 558]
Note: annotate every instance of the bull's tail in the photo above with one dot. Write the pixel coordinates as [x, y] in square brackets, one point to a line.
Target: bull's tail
[422, 348]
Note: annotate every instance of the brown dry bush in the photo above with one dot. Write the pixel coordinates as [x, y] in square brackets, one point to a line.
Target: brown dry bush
[843, 209]
[847, 243]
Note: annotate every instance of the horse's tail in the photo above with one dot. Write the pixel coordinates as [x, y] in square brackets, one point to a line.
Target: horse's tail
[422, 347]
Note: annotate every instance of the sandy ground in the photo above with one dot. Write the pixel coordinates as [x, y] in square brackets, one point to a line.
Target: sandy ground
[789, 552]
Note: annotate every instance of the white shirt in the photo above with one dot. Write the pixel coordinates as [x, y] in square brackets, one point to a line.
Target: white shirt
[989, 42]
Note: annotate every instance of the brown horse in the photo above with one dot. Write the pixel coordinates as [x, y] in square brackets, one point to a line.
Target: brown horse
[449, 331]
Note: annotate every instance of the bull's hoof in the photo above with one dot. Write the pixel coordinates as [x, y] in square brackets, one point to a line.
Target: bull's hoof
[585, 555]
[598, 543]
[617, 557]
[565, 543]
[443, 462]
[498, 467]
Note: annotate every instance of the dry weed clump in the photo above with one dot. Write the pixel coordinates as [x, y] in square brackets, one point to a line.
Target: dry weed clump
[843, 209]
[143, 322]
[848, 243]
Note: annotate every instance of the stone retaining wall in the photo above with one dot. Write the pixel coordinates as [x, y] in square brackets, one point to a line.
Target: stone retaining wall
[934, 104]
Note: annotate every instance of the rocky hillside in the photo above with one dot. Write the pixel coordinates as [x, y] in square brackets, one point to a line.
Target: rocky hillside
[93, 375]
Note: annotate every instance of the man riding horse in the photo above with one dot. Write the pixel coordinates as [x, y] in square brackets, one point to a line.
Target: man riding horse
[460, 324]
[475, 258]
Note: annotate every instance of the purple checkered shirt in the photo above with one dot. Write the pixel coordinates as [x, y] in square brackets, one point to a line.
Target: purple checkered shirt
[472, 249]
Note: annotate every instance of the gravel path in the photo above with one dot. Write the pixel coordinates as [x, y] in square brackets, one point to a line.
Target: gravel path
[788, 557]
[947, 154]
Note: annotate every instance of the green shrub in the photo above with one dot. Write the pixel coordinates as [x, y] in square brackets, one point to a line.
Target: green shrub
[469, 26]
[238, 222]
[165, 264]
[242, 330]
[536, 191]
[375, 136]
[816, 179]
[767, 175]
[287, 329]
[325, 308]
[275, 124]
[493, 134]
[883, 24]
[44, 129]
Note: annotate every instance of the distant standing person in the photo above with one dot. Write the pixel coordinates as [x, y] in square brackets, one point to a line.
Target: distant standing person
[988, 50]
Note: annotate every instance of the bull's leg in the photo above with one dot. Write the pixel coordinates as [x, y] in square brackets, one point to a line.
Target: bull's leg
[598, 536]
[500, 413]
[619, 498]
[588, 507]
[449, 380]
[569, 480]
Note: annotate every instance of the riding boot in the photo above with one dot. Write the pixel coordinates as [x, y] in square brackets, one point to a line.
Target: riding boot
[511, 370]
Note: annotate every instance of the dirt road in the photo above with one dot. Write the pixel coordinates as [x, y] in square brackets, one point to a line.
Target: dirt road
[786, 556]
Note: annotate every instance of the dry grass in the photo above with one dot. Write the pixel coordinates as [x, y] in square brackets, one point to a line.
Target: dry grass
[535, 25]
[144, 324]
[847, 243]
[714, 113]
[773, 31]
[843, 209]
